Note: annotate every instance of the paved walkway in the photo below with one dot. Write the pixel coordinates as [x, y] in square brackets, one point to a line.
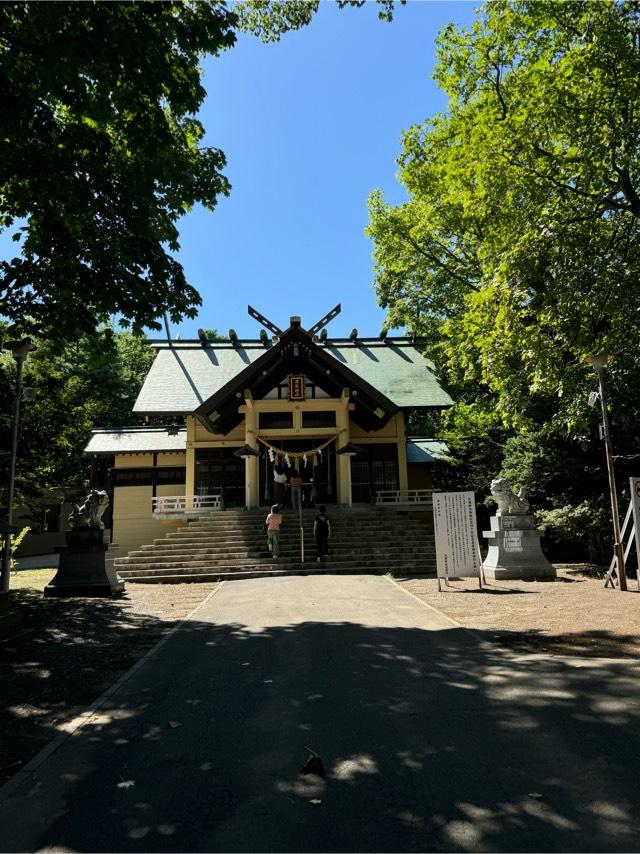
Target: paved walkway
[431, 739]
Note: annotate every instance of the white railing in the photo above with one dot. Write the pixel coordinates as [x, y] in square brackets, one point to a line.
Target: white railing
[177, 505]
[393, 497]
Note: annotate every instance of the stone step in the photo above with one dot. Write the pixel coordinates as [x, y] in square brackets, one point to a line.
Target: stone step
[240, 543]
[361, 511]
[291, 539]
[307, 513]
[274, 568]
[285, 548]
[425, 561]
[253, 553]
[244, 544]
[351, 530]
[232, 544]
[307, 522]
[292, 554]
[264, 554]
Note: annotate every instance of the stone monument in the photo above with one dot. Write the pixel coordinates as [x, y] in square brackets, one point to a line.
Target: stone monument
[84, 570]
[514, 540]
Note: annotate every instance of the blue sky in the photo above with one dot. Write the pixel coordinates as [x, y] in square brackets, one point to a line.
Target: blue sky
[310, 126]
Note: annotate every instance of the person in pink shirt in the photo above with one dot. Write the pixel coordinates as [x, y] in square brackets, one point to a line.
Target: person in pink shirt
[272, 526]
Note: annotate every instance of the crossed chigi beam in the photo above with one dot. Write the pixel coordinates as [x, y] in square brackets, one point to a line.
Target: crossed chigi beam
[335, 311]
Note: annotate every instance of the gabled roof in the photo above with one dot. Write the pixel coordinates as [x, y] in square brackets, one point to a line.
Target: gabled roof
[184, 375]
[159, 439]
[136, 440]
[189, 378]
[296, 353]
[426, 451]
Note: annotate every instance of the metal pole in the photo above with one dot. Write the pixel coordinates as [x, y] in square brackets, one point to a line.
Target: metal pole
[6, 551]
[617, 545]
[301, 528]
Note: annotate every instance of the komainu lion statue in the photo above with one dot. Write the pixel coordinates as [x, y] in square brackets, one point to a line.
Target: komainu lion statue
[509, 504]
[89, 513]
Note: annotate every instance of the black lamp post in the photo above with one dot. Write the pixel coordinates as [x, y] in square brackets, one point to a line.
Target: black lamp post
[599, 364]
[20, 350]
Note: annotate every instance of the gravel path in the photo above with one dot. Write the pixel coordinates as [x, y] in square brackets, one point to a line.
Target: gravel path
[58, 655]
[574, 615]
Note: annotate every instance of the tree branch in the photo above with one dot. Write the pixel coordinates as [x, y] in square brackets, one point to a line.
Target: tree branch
[432, 258]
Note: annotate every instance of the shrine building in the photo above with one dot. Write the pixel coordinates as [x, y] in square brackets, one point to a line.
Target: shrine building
[333, 409]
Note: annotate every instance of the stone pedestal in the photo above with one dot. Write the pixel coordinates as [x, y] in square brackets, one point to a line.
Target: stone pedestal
[514, 549]
[85, 569]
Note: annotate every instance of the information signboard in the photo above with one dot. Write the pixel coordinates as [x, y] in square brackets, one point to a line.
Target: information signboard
[456, 535]
[634, 484]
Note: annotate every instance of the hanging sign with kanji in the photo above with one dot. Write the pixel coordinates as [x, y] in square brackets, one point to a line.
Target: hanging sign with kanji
[296, 387]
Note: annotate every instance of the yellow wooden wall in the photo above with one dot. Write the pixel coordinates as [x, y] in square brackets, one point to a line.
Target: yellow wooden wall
[133, 523]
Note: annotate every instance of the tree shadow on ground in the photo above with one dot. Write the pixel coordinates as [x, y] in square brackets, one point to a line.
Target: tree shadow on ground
[593, 644]
[492, 591]
[57, 657]
[586, 570]
[431, 741]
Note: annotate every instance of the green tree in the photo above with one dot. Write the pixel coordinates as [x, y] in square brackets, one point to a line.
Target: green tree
[567, 485]
[269, 20]
[517, 253]
[213, 335]
[100, 155]
[94, 380]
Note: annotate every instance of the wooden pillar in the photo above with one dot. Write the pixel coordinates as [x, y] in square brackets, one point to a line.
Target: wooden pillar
[343, 462]
[403, 479]
[190, 471]
[252, 464]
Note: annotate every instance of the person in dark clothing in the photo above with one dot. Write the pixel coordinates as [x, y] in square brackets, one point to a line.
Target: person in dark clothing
[322, 532]
[295, 482]
[279, 484]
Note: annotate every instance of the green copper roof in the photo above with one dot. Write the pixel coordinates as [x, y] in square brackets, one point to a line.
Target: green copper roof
[426, 451]
[136, 440]
[185, 374]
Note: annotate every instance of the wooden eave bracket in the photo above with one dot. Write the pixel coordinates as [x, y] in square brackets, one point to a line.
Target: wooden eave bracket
[207, 421]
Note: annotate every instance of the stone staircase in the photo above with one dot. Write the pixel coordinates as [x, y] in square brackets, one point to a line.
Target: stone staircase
[232, 544]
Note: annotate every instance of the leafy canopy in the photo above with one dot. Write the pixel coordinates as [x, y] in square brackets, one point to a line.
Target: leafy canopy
[269, 20]
[100, 155]
[94, 380]
[516, 254]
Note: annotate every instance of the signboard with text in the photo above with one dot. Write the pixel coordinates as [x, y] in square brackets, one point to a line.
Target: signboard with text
[634, 484]
[456, 534]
